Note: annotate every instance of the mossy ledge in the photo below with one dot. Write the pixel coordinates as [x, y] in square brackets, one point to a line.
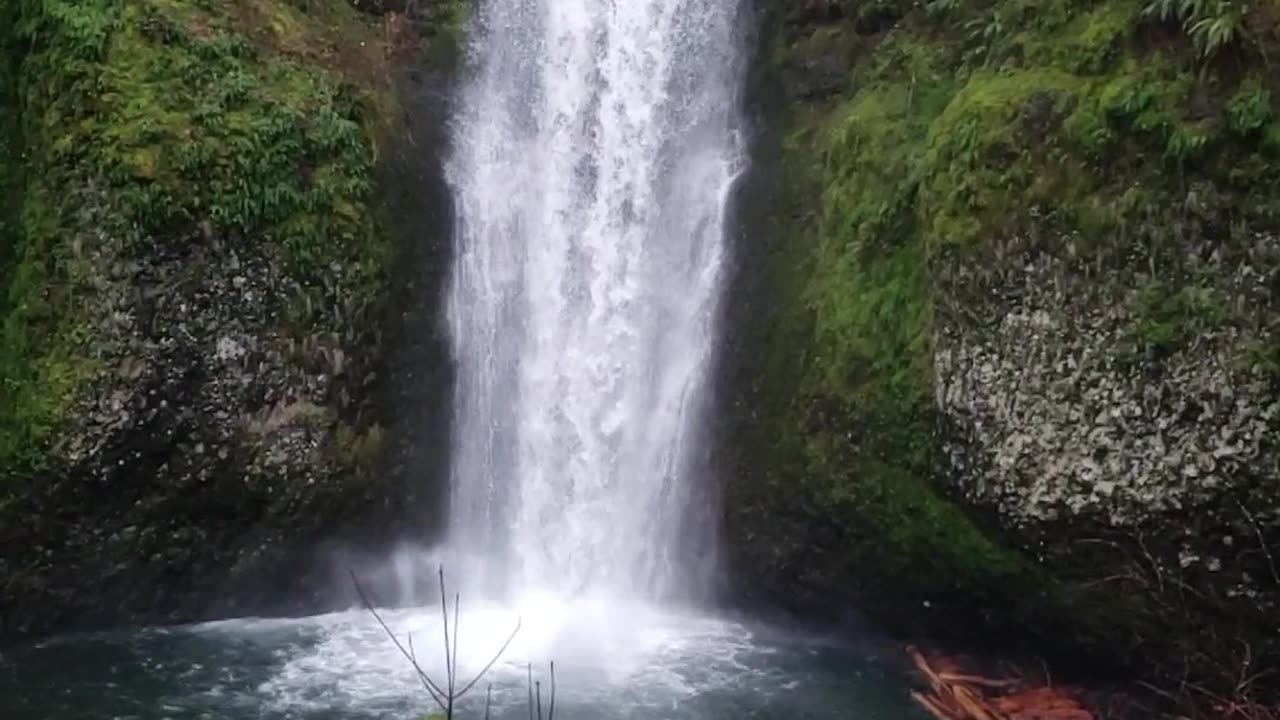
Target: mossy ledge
[1007, 338]
[198, 262]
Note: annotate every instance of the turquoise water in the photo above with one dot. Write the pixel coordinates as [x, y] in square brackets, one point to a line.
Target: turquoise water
[620, 664]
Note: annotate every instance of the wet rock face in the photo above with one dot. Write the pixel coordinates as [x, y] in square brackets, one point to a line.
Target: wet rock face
[225, 331]
[1067, 413]
[215, 442]
[1095, 402]
[1066, 441]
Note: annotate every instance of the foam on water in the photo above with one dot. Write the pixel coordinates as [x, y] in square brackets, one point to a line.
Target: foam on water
[612, 662]
[608, 657]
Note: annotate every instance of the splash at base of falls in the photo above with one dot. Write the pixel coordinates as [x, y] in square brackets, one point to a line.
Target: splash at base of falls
[654, 665]
[599, 650]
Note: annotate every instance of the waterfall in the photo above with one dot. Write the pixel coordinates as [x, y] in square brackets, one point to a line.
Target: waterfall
[593, 150]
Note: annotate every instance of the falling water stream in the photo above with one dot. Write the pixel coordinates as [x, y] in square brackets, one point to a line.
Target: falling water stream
[595, 149]
[595, 144]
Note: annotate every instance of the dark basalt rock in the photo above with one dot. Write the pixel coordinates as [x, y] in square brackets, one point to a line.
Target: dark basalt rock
[1002, 362]
[238, 423]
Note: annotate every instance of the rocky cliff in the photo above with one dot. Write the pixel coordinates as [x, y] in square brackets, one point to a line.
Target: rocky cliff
[208, 270]
[1008, 366]
[1003, 362]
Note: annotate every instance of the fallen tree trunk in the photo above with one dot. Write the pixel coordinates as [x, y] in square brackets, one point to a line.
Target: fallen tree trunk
[953, 695]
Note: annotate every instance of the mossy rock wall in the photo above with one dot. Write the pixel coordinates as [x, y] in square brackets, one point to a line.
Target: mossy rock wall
[1008, 333]
[199, 259]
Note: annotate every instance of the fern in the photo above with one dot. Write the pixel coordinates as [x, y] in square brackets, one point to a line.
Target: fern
[1211, 24]
[942, 7]
[985, 32]
[1184, 144]
[1214, 32]
[1167, 10]
[1163, 10]
[1250, 109]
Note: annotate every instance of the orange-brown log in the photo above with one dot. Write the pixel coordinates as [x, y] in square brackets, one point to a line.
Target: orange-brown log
[973, 705]
[934, 708]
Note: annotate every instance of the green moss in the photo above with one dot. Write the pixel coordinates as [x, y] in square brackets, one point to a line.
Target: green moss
[987, 156]
[1167, 317]
[1250, 108]
[147, 119]
[1260, 358]
[1076, 122]
[918, 546]
[358, 450]
[868, 290]
[194, 122]
[1089, 42]
[846, 442]
[445, 28]
[11, 171]
[1077, 127]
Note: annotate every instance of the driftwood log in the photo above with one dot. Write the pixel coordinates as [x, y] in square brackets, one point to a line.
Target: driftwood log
[953, 695]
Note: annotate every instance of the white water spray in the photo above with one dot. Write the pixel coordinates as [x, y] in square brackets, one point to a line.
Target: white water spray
[594, 149]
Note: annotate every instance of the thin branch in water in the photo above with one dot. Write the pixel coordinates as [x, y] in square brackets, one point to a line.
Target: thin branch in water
[457, 601]
[427, 682]
[444, 611]
[448, 696]
[422, 676]
[488, 698]
[501, 650]
[529, 688]
[551, 713]
[413, 656]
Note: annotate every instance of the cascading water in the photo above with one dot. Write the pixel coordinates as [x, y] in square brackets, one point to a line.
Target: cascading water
[594, 149]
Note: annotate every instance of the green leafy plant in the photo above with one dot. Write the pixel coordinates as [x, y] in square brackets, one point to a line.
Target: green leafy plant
[942, 7]
[1185, 142]
[1166, 317]
[1213, 32]
[1166, 10]
[1211, 24]
[1250, 108]
[986, 31]
[1087, 127]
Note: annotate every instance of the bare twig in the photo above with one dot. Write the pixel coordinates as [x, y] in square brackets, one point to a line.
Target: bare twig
[444, 697]
[457, 612]
[436, 693]
[497, 655]
[444, 627]
[1262, 542]
[551, 713]
[529, 687]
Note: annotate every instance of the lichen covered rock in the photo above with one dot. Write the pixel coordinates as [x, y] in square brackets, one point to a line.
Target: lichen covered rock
[1004, 363]
[198, 322]
[1063, 407]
